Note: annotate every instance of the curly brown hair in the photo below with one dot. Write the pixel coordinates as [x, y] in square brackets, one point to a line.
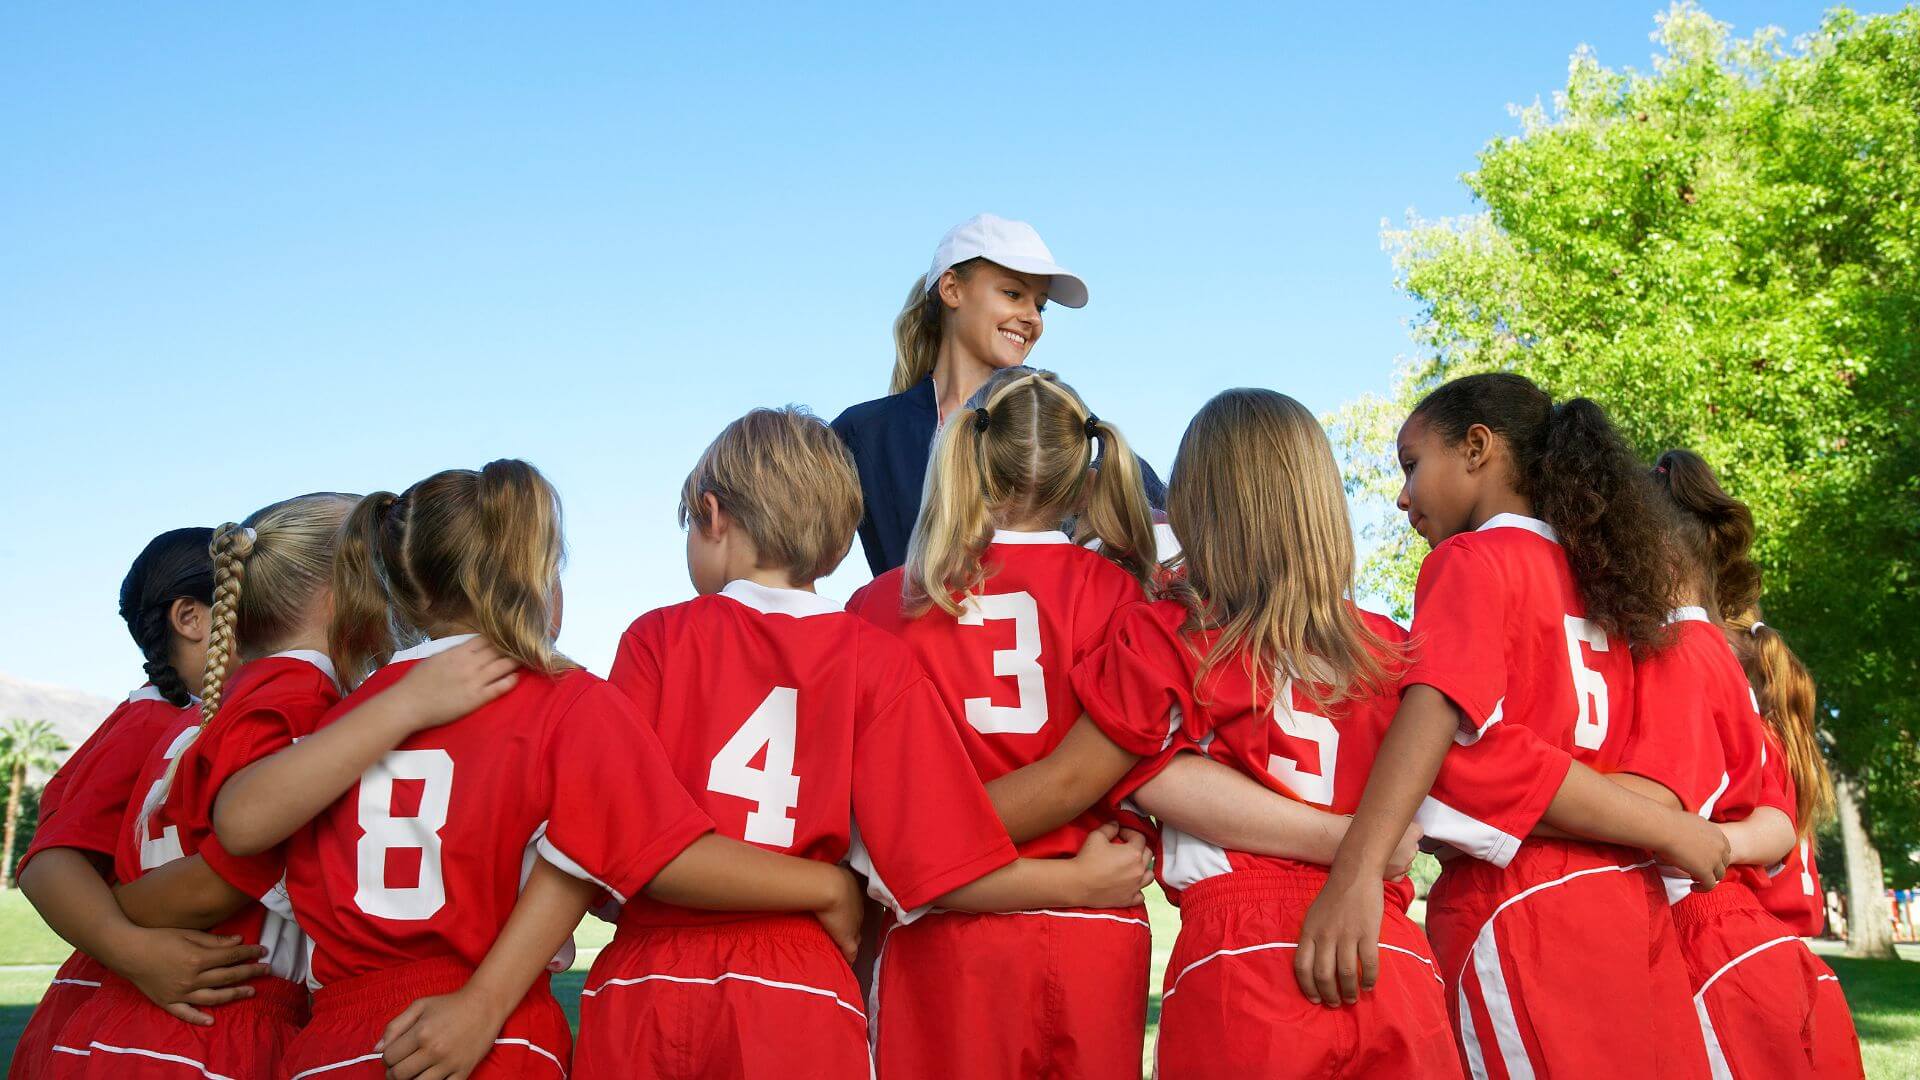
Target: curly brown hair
[1582, 478]
[1715, 529]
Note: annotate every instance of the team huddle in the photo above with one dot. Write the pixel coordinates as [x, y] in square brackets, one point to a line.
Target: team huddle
[348, 826]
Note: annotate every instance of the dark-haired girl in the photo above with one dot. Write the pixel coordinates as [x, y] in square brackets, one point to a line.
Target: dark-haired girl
[1548, 572]
[1699, 743]
[66, 873]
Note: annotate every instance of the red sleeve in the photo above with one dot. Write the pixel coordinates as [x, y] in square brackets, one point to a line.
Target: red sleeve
[617, 813]
[1460, 625]
[1126, 690]
[1108, 592]
[235, 740]
[636, 667]
[99, 787]
[1492, 792]
[1776, 782]
[923, 818]
[1674, 741]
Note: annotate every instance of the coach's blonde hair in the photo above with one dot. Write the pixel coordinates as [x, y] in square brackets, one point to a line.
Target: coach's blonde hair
[788, 480]
[1257, 504]
[1784, 689]
[481, 547]
[918, 328]
[1026, 451]
[267, 572]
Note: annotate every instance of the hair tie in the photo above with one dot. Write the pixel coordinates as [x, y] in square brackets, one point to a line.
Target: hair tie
[981, 418]
[1755, 628]
[1659, 470]
[250, 535]
[1093, 426]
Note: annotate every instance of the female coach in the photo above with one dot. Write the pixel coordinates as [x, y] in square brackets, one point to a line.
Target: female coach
[978, 309]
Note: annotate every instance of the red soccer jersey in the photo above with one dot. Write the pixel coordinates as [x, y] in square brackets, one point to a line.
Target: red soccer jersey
[268, 703]
[1791, 892]
[85, 802]
[1004, 668]
[1501, 631]
[1139, 685]
[423, 858]
[1697, 731]
[793, 722]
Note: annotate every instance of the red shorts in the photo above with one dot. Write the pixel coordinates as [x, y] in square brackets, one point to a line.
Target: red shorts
[1767, 1006]
[120, 1033]
[767, 996]
[1230, 1007]
[73, 986]
[1563, 963]
[350, 1016]
[1049, 993]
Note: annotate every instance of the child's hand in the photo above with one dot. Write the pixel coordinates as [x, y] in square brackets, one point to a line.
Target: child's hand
[1114, 866]
[440, 1038]
[1403, 852]
[1339, 953]
[180, 969]
[1697, 847]
[842, 917]
[449, 685]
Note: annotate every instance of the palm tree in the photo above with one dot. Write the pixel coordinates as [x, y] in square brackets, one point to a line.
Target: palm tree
[24, 744]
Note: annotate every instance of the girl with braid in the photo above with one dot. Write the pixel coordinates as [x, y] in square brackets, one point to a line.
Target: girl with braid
[267, 681]
[67, 871]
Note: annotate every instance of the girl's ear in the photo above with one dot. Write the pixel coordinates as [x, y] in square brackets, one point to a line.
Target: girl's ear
[189, 619]
[949, 289]
[1477, 445]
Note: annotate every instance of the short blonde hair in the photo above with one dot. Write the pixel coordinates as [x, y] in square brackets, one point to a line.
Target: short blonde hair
[790, 483]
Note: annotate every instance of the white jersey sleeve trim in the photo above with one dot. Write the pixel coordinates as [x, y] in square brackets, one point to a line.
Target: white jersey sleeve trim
[1471, 835]
[1464, 737]
[565, 864]
[861, 860]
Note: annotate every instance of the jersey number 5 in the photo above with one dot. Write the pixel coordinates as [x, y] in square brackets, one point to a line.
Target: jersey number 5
[773, 789]
[1589, 686]
[382, 831]
[1028, 714]
[1307, 727]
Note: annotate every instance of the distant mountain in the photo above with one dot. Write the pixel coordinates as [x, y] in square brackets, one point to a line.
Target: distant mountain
[72, 713]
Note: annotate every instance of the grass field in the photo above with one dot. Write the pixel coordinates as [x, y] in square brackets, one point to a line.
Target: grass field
[1885, 994]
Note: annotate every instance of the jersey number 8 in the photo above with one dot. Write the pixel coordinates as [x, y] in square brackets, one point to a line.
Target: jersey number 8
[382, 831]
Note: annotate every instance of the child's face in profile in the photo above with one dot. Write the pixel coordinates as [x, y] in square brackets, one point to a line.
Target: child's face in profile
[1438, 490]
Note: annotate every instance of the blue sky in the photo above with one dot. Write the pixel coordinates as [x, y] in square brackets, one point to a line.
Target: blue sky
[252, 251]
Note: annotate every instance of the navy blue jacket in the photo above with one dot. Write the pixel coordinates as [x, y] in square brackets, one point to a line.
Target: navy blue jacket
[892, 439]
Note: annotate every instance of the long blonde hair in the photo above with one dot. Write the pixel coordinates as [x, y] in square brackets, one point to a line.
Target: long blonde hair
[1784, 689]
[267, 571]
[1257, 503]
[918, 328]
[1024, 452]
[481, 547]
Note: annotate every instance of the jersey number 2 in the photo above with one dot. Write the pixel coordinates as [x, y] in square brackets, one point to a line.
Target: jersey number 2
[381, 831]
[1028, 713]
[1589, 686]
[772, 788]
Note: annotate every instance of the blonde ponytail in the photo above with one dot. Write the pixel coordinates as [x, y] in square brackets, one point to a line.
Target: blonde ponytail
[360, 636]
[1784, 689]
[1024, 452]
[918, 328]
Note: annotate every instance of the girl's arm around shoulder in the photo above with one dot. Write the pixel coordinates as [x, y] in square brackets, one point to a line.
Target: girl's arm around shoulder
[269, 800]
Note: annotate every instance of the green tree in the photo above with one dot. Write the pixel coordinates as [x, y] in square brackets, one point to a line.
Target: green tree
[1724, 251]
[24, 744]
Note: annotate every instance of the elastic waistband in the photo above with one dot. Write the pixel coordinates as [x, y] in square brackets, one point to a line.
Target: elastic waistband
[271, 995]
[777, 925]
[1253, 886]
[387, 992]
[1726, 896]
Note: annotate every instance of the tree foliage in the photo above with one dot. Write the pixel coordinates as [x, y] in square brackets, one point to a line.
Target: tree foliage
[1723, 252]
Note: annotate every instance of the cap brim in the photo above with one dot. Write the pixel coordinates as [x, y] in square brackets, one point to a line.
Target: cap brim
[1065, 287]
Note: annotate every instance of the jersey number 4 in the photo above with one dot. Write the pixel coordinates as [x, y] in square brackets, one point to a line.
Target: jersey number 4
[1028, 713]
[772, 788]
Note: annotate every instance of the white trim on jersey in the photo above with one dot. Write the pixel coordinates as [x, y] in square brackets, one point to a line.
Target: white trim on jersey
[565, 864]
[134, 1051]
[376, 1056]
[727, 976]
[1677, 883]
[1484, 956]
[1521, 521]
[1471, 835]
[1468, 738]
[316, 658]
[148, 692]
[1186, 859]
[89, 983]
[1097, 916]
[1044, 536]
[430, 647]
[58, 1049]
[1687, 614]
[1268, 946]
[768, 600]
[1716, 1055]
[860, 861]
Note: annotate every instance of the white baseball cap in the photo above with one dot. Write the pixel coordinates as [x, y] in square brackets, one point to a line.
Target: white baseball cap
[1012, 244]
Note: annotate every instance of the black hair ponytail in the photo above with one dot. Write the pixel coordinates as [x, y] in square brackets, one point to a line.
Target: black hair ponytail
[174, 565]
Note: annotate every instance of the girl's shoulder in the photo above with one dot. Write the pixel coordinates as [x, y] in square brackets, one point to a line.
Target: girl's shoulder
[297, 681]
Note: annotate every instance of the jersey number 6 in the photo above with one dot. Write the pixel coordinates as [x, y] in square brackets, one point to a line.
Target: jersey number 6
[1589, 686]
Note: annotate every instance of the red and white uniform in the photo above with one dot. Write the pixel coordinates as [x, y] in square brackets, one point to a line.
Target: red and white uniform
[1014, 995]
[1551, 949]
[81, 807]
[794, 724]
[267, 704]
[1794, 895]
[405, 881]
[1767, 1007]
[1230, 1006]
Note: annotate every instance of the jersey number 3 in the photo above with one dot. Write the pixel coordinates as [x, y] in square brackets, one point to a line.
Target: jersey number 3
[1028, 713]
[772, 788]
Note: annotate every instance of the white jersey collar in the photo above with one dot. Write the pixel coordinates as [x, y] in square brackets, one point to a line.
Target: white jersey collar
[1687, 614]
[1521, 521]
[431, 647]
[1048, 536]
[768, 600]
[316, 658]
